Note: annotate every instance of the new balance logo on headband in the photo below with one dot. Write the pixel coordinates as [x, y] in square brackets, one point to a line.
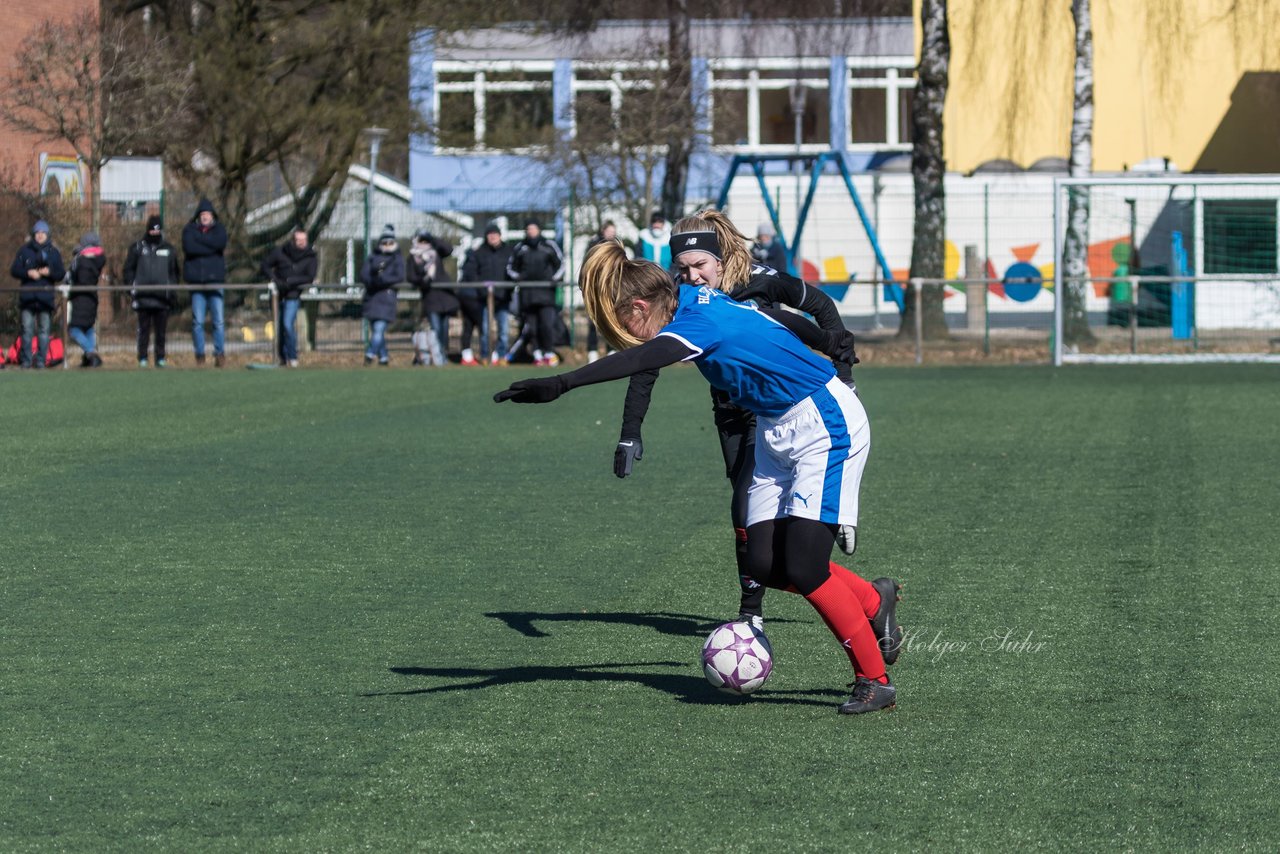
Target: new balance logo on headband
[696, 241]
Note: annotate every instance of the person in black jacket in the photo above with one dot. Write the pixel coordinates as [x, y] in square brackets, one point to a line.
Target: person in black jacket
[86, 269]
[729, 268]
[38, 267]
[152, 262]
[382, 272]
[537, 259]
[488, 263]
[204, 240]
[767, 250]
[425, 269]
[292, 267]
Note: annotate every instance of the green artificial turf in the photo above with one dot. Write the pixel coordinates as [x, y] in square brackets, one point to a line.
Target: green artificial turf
[337, 610]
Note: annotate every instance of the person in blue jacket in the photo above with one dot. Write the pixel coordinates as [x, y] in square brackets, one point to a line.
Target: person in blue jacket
[204, 242]
[382, 273]
[38, 268]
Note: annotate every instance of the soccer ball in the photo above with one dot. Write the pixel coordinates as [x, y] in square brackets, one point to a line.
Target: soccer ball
[737, 658]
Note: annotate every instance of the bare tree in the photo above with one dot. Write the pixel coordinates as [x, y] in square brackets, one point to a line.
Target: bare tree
[679, 126]
[98, 85]
[1075, 249]
[928, 170]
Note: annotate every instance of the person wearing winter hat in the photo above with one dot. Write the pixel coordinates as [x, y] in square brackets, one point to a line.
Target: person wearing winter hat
[768, 251]
[38, 268]
[381, 273]
[86, 269]
[291, 267]
[152, 261]
[488, 263]
[537, 259]
[204, 242]
[425, 269]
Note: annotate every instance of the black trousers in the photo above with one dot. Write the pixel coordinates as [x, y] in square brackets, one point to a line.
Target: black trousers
[147, 319]
[473, 308]
[544, 319]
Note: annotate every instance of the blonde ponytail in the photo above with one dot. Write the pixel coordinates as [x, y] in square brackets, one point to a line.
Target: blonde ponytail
[610, 282]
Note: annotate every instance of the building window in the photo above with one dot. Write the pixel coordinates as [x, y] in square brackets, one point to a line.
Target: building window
[496, 105]
[1240, 236]
[753, 101]
[880, 103]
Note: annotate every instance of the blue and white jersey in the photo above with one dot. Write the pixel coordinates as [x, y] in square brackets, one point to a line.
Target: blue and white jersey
[760, 363]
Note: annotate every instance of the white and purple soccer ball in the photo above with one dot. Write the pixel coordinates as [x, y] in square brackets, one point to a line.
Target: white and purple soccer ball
[737, 658]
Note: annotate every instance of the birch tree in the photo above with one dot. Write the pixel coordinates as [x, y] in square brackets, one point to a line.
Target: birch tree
[928, 169]
[1075, 249]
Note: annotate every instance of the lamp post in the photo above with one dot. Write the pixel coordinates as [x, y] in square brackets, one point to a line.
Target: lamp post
[375, 137]
[798, 94]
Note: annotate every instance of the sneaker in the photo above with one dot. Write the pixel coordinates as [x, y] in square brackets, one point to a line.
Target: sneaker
[384, 362]
[368, 360]
[756, 621]
[95, 360]
[869, 696]
[469, 358]
[199, 358]
[219, 360]
[161, 363]
[884, 623]
[142, 363]
[85, 361]
[293, 363]
[593, 356]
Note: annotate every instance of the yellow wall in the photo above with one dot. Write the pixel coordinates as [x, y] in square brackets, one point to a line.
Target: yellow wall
[1197, 81]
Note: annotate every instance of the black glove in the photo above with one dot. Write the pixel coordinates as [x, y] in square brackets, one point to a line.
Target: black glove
[540, 390]
[625, 455]
[840, 347]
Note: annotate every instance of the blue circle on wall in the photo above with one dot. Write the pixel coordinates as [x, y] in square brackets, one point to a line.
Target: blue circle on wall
[1022, 281]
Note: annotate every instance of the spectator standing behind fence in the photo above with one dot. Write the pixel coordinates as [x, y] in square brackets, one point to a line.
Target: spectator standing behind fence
[152, 261]
[204, 242]
[655, 241]
[767, 250]
[426, 268]
[38, 267]
[292, 267]
[538, 259]
[383, 270]
[86, 269]
[488, 263]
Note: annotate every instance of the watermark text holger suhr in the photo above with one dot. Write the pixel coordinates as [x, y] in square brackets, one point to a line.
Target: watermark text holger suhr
[1001, 641]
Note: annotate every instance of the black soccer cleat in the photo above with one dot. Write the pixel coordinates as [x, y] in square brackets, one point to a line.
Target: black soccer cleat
[869, 696]
[885, 623]
[756, 621]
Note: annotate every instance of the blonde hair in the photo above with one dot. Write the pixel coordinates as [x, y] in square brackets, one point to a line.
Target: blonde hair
[610, 281]
[736, 263]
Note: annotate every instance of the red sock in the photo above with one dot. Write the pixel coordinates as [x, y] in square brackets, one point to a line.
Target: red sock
[840, 610]
[861, 588]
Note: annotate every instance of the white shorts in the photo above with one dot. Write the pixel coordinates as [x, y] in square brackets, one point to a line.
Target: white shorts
[809, 461]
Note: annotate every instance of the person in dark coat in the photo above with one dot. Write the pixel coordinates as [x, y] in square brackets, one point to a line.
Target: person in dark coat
[488, 263]
[86, 269]
[767, 250]
[38, 267]
[292, 267]
[204, 242]
[152, 261]
[537, 259]
[426, 268]
[381, 273]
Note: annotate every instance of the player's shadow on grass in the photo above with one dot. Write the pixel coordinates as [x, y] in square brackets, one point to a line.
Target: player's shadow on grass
[678, 625]
[683, 687]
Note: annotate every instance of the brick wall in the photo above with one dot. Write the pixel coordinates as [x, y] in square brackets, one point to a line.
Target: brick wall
[20, 153]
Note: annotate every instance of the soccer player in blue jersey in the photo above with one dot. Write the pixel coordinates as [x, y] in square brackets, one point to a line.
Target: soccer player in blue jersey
[708, 250]
[812, 436]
